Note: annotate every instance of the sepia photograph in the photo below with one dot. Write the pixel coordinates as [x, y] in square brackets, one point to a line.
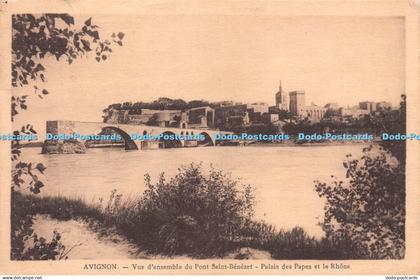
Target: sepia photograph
[142, 142]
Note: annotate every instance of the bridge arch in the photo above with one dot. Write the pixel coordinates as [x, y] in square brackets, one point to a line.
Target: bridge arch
[129, 144]
[165, 143]
[221, 141]
[208, 140]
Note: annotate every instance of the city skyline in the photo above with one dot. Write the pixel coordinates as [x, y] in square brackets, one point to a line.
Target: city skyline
[342, 60]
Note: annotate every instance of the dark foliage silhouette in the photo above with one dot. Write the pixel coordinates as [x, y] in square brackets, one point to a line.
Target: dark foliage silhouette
[35, 38]
[368, 207]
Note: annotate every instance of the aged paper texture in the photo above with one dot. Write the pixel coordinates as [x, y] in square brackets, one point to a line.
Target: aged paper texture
[209, 137]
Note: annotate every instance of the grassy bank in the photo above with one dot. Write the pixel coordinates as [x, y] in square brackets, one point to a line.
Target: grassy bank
[193, 214]
[281, 244]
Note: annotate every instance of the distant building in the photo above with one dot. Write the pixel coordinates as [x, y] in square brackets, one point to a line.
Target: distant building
[270, 118]
[383, 106]
[242, 115]
[183, 122]
[258, 107]
[368, 105]
[117, 116]
[313, 112]
[143, 117]
[332, 106]
[201, 117]
[166, 118]
[296, 102]
[282, 101]
[274, 110]
[332, 110]
[353, 112]
[224, 103]
[233, 115]
[279, 124]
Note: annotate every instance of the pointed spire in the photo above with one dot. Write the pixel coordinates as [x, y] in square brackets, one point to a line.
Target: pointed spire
[280, 85]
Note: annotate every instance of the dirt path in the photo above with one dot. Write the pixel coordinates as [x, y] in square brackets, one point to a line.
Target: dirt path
[89, 245]
[92, 245]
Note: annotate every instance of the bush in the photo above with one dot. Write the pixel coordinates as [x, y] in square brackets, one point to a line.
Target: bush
[296, 243]
[369, 209]
[25, 244]
[205, 215]
[194, 213]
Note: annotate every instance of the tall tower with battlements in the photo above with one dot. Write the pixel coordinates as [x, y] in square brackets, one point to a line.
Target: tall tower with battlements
[297, 102]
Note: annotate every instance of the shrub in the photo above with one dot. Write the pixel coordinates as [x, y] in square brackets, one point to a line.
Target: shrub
[25, 244]
[369, 209]
[43, 250]
[194, 213]
[296, 243]
[200, 215]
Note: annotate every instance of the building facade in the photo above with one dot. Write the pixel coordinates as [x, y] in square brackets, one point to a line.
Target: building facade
[242, 115]
[383, 106]
[353, 112]
[314, 113]
[296, 102]
[368, 105]
[201, 117]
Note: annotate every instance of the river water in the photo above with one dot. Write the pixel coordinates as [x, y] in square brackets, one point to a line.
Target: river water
[282, 175]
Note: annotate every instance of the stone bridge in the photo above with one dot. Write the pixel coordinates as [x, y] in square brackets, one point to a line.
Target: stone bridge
[127, 130]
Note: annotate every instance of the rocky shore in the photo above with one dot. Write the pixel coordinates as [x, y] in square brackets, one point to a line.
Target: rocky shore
[63, 147]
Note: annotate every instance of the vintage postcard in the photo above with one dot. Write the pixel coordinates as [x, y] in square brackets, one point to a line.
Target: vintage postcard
[209, 137]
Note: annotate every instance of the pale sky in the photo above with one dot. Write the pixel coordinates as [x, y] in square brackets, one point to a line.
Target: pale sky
[240, 58]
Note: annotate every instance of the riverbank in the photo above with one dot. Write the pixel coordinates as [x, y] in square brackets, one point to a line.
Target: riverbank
[82, 242]
[286, 143]
[312, 144]
[283, 176]
[97, 233]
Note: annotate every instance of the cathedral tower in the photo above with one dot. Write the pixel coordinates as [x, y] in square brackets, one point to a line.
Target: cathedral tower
[281, 99]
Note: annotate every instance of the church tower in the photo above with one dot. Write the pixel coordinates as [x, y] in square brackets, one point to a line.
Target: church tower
[281, 99]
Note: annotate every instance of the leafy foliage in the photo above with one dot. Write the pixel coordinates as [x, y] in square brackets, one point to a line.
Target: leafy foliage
[394, 122]
[296, 243]
[194, 213]
[197, 214]
[186, 216]
[34, 38]
[369, 208]
[27, 245]
[182, 233]
[43, 250]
